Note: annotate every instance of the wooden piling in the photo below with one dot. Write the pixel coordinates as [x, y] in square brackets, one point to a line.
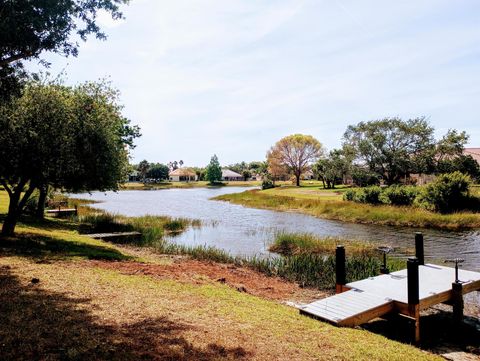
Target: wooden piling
[457, 302]
[419, 248]
[413, 293]
[340, 272]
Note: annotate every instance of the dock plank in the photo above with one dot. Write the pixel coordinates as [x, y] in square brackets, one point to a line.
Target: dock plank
[334, 309]
[375, 296]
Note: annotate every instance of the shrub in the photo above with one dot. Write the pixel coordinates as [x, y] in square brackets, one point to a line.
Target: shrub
[398, 195]
[350, 195]
[448, 193]
[369, 195]
[267, 183]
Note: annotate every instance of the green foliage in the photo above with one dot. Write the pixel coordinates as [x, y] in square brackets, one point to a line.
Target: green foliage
[213, 172]
[392, 147]
[143, 168]
[267, 183]
[29, 28]
[331, 170]
[448, 193]
[74, 138]
[157, 171]
[364, 177]
[461, 163]
[399, 195]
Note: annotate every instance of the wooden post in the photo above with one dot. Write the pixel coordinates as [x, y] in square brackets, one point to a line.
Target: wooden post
[457, 302]
[340, 274]
[419, 250]
[413, 290]
[76, 210]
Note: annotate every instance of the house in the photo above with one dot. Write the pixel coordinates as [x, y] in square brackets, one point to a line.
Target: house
[474, 152]
[182, 175]
[230, 175]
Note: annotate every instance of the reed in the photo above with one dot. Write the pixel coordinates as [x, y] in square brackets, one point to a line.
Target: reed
[287, 244]
[356, 212]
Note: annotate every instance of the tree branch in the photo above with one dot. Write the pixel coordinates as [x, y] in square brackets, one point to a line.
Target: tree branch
[7, 188]
[11, 59]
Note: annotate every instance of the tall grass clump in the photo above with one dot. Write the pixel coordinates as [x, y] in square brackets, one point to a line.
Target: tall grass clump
[152, 228]
[102, 222]
[288, 244]
[314, 270]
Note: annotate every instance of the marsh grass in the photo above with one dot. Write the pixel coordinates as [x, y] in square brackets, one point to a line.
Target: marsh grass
[152, 228]
[288, 244]
[338, 209]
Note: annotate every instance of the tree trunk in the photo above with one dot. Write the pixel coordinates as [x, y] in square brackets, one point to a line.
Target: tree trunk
[42, 198]
[10, 221]
[15, 209]
[297, 176]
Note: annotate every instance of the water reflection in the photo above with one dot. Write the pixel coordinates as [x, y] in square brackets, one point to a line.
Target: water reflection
[247, 231]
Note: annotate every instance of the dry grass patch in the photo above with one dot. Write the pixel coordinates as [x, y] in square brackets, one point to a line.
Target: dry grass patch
[78, 312]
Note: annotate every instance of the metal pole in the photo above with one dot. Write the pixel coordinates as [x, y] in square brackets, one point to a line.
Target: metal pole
[413, 281]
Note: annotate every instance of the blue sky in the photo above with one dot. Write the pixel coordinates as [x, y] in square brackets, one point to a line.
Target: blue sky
[233, 77]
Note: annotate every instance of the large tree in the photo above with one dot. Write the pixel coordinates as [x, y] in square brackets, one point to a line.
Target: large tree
[75, 139]
[392, 147]
[30, 27]
[297, 152]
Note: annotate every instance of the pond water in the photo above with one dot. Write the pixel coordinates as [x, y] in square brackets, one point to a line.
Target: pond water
[246, 231]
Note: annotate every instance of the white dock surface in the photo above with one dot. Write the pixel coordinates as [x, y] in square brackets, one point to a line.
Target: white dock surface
[375, 296]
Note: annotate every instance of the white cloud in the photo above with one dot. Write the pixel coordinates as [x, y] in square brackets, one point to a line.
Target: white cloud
[232, 76]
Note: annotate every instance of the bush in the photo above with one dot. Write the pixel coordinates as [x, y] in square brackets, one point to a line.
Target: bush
[399, 195]
[369, 195]
[267, 183]
[350, 195]
[448, 193]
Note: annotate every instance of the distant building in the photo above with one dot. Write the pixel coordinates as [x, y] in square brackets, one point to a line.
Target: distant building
[230, 175]
[182, 175]
[474, 152]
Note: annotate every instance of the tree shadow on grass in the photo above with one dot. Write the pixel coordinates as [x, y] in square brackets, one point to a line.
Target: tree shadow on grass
[50, 224]
[37, 324]
[438, 331]
[49, 248]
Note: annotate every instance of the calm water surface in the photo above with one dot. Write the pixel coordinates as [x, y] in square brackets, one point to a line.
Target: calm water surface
[248, 231]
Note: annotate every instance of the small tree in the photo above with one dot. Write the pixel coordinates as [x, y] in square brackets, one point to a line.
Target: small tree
[296, 152]
[143, 168]
[276, 169]
[213, 172]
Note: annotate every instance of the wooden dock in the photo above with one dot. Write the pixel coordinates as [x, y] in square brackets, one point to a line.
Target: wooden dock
[114, 235]
[405, 292]
[62, 211]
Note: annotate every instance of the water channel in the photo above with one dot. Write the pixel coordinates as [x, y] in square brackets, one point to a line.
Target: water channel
[246, 231]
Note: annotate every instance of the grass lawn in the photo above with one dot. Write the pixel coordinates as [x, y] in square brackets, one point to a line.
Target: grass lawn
[323, 203]
[66, 296]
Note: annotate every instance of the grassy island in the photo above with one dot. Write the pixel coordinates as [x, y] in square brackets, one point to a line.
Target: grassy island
[311, 199]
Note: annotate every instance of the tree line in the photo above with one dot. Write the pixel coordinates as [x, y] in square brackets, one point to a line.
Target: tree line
[388, 150]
